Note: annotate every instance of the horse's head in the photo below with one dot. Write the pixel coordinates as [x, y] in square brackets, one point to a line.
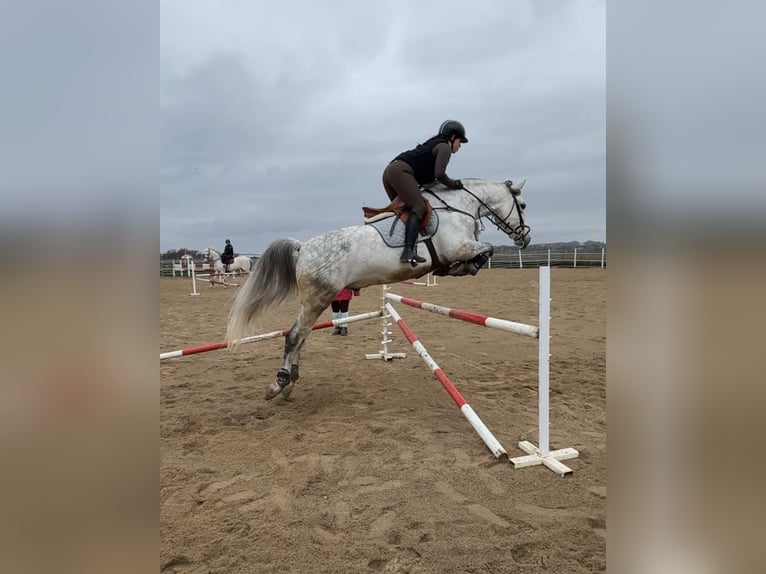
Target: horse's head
[520, 231]
[504, 206]
[212, 254]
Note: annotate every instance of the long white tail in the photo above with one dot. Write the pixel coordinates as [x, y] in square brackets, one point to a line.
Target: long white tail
[270, 283]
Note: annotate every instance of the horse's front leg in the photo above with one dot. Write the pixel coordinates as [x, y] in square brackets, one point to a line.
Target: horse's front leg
[288, 375]
[471, 257]
[477, 262]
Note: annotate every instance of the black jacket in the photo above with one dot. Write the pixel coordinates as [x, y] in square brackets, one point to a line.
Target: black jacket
[422, 159]
[228, 254]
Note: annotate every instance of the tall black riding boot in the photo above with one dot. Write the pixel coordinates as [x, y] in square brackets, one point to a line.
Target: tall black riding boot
[410, 251]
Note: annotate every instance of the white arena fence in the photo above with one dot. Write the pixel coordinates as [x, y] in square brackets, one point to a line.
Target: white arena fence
[180, 268]
[506, 260]
[520, 259]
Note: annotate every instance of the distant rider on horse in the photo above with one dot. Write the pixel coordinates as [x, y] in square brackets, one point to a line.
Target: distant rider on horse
[420, 166]
[227, 257]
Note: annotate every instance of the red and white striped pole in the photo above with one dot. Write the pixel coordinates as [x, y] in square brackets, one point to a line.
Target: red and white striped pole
[513, 327]
[263, 337]
[477, 424]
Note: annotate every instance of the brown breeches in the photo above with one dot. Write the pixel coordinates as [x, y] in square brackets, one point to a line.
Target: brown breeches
[398, 180]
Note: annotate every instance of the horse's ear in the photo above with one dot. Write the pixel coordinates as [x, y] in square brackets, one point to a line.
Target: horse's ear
[515, 188]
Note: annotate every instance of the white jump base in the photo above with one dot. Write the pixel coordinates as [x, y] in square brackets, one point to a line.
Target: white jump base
[429, 282]
[552, 460]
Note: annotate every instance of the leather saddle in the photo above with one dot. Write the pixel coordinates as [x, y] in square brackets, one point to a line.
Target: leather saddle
[397, 208]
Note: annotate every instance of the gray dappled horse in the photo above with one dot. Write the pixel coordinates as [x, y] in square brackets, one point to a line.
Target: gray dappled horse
[358, 257]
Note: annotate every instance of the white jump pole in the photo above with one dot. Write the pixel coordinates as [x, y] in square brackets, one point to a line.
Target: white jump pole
[602, 258]
[484, 320]
[544, 455]
[265, 336]
[212, 282]
[478, 425]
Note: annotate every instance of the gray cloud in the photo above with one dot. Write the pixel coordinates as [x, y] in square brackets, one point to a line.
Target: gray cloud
[277, 120]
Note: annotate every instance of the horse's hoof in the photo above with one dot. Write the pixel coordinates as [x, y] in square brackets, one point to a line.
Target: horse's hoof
[287, 391]
[275, 390]
[272, 391]
[282, 381]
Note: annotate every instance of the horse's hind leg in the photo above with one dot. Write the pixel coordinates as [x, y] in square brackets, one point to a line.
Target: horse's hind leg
[294, 340]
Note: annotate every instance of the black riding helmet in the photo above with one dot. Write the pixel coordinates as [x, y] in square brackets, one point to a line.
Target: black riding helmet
[452, 127]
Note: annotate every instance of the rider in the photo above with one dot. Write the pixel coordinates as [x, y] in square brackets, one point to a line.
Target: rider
[227, 257]
[420, 166]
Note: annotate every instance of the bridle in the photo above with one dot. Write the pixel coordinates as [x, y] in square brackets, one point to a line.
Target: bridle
[518, 232]
[515, 232]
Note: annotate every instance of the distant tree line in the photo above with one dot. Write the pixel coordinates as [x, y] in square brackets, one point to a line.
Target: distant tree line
[178, 253]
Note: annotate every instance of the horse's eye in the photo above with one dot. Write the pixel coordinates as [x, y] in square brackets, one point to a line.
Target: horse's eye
[523, 205]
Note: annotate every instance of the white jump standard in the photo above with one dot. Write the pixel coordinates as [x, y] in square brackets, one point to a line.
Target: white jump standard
[384, 353]
[190, 265]
[543, 455]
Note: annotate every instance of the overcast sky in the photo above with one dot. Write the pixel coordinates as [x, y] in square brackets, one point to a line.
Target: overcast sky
[278, 118]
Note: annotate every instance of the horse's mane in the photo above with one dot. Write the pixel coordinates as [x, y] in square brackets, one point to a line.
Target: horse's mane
[439, 187]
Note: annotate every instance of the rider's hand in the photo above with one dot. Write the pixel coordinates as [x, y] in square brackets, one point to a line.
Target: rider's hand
[457, 184]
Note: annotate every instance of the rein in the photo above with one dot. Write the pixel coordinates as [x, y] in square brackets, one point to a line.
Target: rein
[448, 207]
